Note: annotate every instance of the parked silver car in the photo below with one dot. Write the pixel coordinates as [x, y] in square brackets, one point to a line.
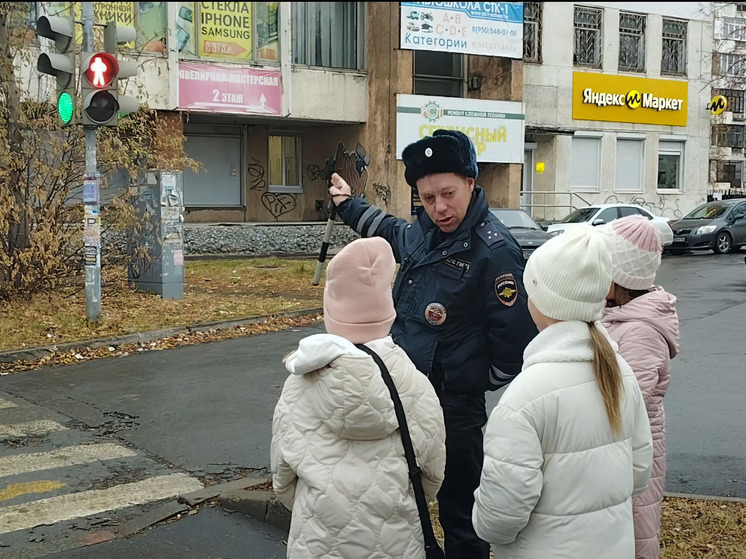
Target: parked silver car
[719, 226]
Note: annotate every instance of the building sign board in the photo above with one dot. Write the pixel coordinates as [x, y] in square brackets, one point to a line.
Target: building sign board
[629, 99]
[495, 127]
[227, 88]
[486, 28]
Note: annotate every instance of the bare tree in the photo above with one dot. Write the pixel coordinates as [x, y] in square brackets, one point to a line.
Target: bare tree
[41, 173]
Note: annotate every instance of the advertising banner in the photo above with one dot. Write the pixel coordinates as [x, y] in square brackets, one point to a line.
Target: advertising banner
[495, 127]
[225, 30]
[629, 99]
[487, 28]
[224, 88]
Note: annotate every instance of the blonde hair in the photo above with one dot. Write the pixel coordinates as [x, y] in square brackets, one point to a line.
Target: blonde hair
[609, 376]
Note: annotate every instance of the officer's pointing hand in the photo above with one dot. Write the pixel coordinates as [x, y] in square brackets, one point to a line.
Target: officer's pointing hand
[339, 189]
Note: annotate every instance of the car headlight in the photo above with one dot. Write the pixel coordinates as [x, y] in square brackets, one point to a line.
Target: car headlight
[706, 229]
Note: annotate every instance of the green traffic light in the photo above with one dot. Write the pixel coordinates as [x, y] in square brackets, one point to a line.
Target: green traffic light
[65, 107]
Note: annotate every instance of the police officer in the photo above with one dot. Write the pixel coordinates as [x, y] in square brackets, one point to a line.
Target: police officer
[461, 306]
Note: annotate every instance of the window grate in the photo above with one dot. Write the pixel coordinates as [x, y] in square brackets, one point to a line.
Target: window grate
[730, 172]
[532, 12]
[734, 99]
[673, 59]
[728, 136]
[587, 49]
[632, 42]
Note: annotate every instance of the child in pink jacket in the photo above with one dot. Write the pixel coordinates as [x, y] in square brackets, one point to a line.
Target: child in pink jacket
[641, 317]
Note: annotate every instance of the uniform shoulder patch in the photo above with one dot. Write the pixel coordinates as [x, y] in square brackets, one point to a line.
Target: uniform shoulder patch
[506, 289]
[490, 234]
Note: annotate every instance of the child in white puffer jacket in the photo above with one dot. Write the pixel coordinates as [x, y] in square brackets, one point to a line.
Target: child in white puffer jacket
[336, 455]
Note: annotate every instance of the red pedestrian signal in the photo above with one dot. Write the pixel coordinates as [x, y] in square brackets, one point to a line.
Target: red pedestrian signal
[101, 69]
[100, 104]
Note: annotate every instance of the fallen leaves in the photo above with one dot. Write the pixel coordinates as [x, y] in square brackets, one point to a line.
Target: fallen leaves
[191, 337]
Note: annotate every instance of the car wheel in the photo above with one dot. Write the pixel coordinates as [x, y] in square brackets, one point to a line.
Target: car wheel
[723, 243]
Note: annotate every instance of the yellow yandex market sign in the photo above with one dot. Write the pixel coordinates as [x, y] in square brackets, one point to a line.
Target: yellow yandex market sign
[628, 99]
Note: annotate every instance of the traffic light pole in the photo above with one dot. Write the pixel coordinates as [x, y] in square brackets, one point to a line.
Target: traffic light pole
[92, 220]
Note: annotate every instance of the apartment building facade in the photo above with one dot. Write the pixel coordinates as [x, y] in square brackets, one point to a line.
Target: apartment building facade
[617, 101]
[268, 92]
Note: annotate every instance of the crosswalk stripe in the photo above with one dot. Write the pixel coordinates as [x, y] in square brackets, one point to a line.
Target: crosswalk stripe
[61, 458]
[95, 501]
[38, 427]
[6, 404]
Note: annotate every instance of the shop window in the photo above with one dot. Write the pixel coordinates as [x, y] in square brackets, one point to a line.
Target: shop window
[631, 42]
[733, 97]
[586, 163]
[265, 25]
[438, 73]
[728, 135]
[329, 34]
[231, 31]
[629, 165]
[532, 12]
[587, 48]
[151, 27]
[673, 59]
[730, 172]
[285, 164]
[670, 166]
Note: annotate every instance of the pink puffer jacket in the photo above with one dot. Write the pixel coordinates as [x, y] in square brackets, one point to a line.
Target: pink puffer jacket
[647, 331]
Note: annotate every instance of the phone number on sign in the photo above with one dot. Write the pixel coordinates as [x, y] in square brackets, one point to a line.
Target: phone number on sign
[492, 31]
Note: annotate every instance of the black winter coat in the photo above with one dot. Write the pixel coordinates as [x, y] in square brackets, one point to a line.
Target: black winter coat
[461, 305]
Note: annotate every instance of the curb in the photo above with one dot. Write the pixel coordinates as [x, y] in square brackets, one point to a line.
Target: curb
[239, 496]
[32, 353]
[264, 506]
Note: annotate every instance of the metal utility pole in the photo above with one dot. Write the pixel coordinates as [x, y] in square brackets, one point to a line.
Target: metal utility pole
[92, 219]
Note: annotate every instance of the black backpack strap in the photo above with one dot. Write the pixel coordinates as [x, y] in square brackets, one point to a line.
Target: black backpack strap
[414, 470]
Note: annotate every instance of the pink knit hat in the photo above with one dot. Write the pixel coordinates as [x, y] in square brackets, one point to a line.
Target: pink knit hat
[358, 304]
[635, 251]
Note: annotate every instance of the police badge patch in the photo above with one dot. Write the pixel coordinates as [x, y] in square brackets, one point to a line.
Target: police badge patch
[435, 314]
[506, 289]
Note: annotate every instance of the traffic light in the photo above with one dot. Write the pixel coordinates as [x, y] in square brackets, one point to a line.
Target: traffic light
[102, 104]
[60, 64]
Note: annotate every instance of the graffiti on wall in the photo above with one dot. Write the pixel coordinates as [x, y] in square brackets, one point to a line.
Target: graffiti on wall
[276, 204]
[383, 192]
[256, 175]
[351, 166]
[279, 204]
[665, 207]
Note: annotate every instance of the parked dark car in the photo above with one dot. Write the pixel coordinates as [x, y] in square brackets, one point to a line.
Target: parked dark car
[525, 230]
[719, 226]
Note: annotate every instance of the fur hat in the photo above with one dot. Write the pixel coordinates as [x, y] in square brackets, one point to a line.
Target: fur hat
[358, 304]
[569, 276]
[635, 251]
[446, 151]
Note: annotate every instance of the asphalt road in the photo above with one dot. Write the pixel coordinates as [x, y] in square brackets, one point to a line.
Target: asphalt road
[118, 436]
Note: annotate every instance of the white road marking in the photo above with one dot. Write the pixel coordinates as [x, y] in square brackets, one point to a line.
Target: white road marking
[76, 505]
[6, 404]
[38, 427]
[63, 457]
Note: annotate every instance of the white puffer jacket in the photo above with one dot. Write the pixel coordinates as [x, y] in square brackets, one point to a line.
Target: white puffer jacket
[556, 482]
[337, 457]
